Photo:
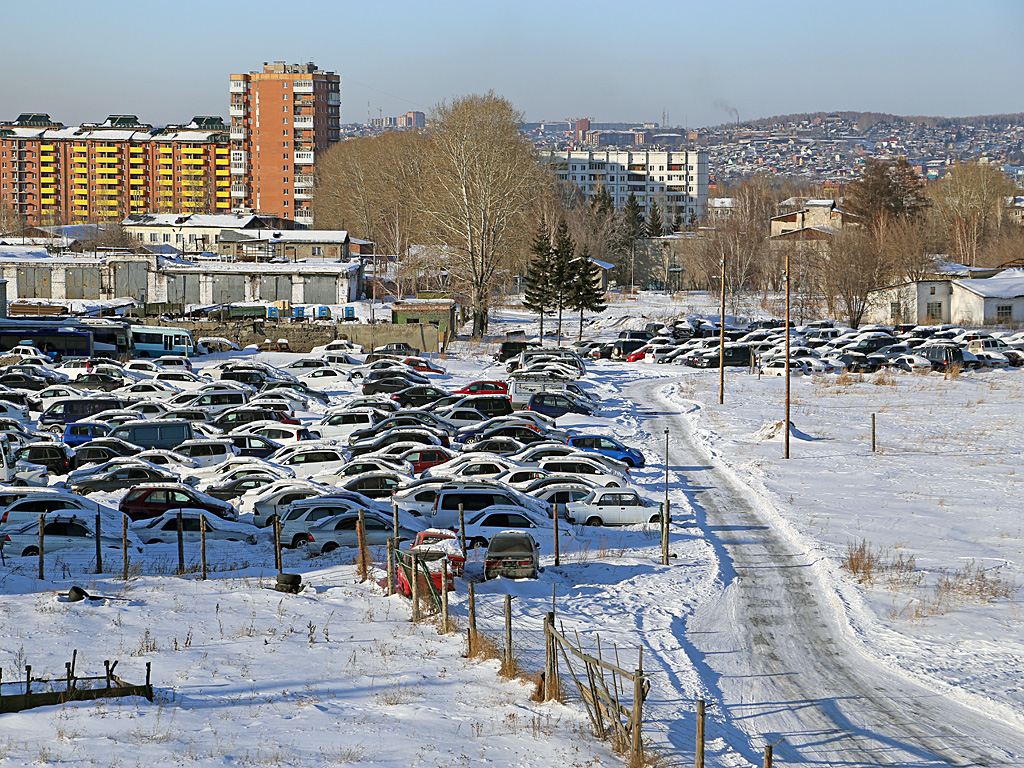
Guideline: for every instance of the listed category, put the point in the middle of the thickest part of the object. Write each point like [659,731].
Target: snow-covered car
[778,368]
[613,506]
[911,364]
[341,424]
[481,526]
[63,531]
[269,502]
[314,460]
[586,465]
[341,531]
[514,554]
[46,501]
[164,529]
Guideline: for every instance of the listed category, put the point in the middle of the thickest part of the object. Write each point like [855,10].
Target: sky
[696,63]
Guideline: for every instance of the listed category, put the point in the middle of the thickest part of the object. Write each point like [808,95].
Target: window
[1004,312]
[934,309]
[318,250]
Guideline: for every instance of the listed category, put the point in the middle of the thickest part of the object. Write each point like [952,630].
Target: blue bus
[155,340]
[52,338]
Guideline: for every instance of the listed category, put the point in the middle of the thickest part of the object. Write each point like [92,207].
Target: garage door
[276,288]
[82,283]
[33,282]
[130,281]
[228,288]
[183,289]
[321,289]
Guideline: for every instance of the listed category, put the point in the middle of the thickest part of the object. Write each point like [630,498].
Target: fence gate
[228,288]
[182,289]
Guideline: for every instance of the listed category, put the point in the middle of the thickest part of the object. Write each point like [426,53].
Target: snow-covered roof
[1008,284]
[208,220]
[287,235]
[721,202]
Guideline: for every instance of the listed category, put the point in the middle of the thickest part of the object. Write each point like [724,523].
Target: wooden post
[462,532]
[28,680]
[278,561]
[99,548]
[106,667]
[550,659]
[414,586]
[787,281]
[394,521]
[767,756]
[721,340]
[391,567]
[637,747]
[508,632]
[202,544]
[42,562]
[666,515]
[700,733]
[444,597]
[554,515]
[181,544]
[124,548]
[361,539]
[472,618]
[872,433]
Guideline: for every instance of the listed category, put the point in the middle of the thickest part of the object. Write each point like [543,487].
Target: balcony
[192,161]
[333,97]
[304,158]
[305,182]
[303,120]
[303,86]
[106,150]
[238,169]
[192,150]
[304,217]
[237,110]
[239,190]
[238,132]
[304,194]
[239,86]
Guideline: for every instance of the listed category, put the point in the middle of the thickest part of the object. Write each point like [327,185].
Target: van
[66,411]
[207,453]
[942,356]
[521,390]
[219,401]
[445,512]
[158,433]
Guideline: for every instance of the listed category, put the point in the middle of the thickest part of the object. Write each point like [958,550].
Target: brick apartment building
[280,119]
[55,174]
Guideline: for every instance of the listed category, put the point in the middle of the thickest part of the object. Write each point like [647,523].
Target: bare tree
[484,177]
[970,200]
[851,269]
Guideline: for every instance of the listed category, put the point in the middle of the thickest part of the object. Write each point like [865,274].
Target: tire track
[781,656]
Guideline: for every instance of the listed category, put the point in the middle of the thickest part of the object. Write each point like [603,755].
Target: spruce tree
[602,204]
[632,218]
[586,292]
[537,296]
[561,271]
[655,222]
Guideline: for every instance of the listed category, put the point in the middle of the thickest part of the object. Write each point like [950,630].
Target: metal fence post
[99,547]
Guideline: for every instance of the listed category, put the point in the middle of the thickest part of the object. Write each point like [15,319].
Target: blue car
[608,446]
[555,404]
[81,432]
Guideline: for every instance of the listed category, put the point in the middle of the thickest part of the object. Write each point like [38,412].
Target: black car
[24,381]
[234,488]
[240,416]
[389,385]
[121,478]
[254,445]
[418,396]
[400,421]
[397,348]
[736,354]
[408,374]
[58,458]
[100,381]
[298,386]
[510,349]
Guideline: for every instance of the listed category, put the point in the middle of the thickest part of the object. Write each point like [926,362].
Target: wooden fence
[111,686]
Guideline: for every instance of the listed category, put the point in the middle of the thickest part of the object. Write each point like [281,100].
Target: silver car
[164,529]
[512,554]
[63,531]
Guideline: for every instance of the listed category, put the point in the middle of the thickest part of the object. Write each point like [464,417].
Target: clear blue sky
[697,61]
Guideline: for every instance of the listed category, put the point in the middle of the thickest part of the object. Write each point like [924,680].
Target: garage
[321,289]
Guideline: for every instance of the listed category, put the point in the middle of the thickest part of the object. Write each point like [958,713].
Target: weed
[342,755]
[147,644]
[953,371]
[862,561]
[396,694]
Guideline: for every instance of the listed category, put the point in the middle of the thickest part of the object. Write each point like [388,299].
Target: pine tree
[677,223]
[537,296]
[655,224]
[586,292]
[561,271]
[632,218]
[602,204]
[886,191]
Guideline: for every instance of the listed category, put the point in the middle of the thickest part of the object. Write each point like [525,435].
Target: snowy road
[775,650]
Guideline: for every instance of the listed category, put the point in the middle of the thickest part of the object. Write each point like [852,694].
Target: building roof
[339,236]
[1008,284]
[206,220]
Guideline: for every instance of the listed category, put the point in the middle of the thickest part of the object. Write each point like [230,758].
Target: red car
[153,499]
[640,354]
[423,365]
[427,457]
[483,388]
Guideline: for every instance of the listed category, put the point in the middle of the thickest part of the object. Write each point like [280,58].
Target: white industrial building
[979,301]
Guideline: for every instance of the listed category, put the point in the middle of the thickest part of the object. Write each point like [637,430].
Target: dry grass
[953,371]
[883,379]
[862,561]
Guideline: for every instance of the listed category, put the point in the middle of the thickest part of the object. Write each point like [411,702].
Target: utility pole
[721,337]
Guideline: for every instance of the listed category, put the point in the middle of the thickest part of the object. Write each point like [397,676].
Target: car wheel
[30,552]
[629,463]
[655,519]
[86,490]
[270,521]
[477,542]
[612,484]
[300,540]
[56,430]
[595,521]
[329,547]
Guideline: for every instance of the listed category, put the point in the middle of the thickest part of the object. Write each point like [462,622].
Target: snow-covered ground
[248,676]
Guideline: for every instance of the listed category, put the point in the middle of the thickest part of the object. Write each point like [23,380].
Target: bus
[110,337]
[155,340]
[53,338]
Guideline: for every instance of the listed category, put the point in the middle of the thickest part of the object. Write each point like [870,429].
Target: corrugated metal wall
[228,288]
[82,283]
[183,289]
[33,282]
[275,288]
[130,281]
[321,289]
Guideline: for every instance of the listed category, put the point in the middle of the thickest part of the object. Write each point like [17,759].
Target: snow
[1008,284]
[755,612]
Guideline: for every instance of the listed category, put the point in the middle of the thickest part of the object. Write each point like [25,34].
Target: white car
[340,424]
[325,379]
[63,531]
[182,379]
[778,368]
[481,526]
[613,506]
[911,363]
[338,345]
[208,452]
[306,462]
[269,502]
[147,390]
[463,417]
[470,466]
[164,529]
[584,465]
[146,368]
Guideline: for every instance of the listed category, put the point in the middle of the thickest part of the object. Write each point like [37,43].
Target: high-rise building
[677,181]
[56,174]
[280,119]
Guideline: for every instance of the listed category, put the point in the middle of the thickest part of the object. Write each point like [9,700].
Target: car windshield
[502,545]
